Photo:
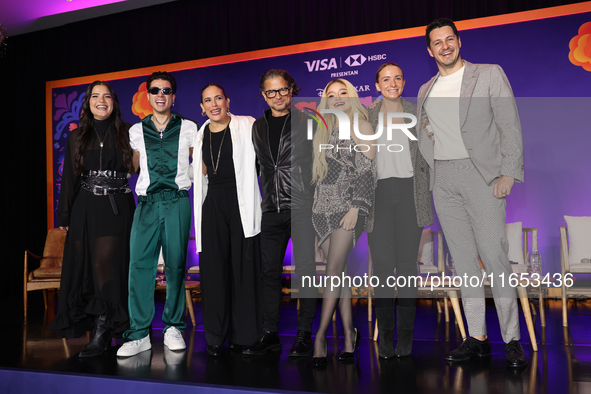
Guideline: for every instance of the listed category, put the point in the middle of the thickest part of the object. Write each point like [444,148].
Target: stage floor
[562,364]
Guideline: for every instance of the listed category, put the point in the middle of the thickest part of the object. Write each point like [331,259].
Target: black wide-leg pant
[229,267]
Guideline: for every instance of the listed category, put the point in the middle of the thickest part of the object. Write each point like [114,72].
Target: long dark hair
[86,126]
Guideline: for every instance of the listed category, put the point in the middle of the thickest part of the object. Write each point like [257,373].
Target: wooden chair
[49,273]
[521,267]
[568,267]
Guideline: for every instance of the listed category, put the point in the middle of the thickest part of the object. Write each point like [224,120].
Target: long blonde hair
[322,136]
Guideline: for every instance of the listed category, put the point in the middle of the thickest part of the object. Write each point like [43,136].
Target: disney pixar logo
[344,124]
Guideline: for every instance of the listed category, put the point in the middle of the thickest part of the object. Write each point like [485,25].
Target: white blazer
[247,184]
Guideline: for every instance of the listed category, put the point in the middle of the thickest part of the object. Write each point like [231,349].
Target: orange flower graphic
[140,105]
[580,47]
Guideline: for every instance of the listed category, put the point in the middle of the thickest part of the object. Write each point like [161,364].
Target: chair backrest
[428,254]
[519,244]
[54,248]
[534,240]
[564,263]
[579,240]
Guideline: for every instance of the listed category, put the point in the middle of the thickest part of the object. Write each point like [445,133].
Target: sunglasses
[154,90]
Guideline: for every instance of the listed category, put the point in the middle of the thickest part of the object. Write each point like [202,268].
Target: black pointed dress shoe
[269,341]
[303,345]
[349,356]
[214,350]
[320,362]
[469,348]
[516,357]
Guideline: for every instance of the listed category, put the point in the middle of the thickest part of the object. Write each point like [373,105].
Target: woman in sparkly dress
[344,172]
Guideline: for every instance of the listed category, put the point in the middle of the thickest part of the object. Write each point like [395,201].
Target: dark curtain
[172,32]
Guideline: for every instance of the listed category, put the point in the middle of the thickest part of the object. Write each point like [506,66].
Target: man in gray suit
[470,135]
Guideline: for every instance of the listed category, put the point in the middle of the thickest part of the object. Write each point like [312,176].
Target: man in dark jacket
[285,157]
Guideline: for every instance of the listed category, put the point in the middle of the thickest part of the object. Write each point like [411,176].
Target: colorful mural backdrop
[550,75]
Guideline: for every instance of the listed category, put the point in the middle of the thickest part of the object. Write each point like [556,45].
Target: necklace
[217,163]
[163,125]
[101,144]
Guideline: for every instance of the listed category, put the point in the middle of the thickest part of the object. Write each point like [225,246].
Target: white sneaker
[132,348]
[174,339]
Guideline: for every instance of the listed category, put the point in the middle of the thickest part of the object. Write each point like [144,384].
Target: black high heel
[318,362]
[348,356]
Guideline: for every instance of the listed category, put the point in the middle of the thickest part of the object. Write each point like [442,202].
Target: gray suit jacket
[422,196]
[489,123]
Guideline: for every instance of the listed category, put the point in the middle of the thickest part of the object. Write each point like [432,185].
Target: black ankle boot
[101,339]
[405,325]
[385,318]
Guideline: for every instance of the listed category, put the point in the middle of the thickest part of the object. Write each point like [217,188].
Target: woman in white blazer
[227,211]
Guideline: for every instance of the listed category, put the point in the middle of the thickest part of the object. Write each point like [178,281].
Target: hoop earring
[203,113]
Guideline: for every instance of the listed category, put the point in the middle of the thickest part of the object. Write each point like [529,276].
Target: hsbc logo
[355,60]
[334,63]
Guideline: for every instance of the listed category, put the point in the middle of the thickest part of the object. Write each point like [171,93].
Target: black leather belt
[105,183]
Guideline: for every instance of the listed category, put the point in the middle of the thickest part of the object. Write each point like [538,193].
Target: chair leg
[369,305]
[438,306]
[45,297]
[25,302]
[528,320]
[533,309]
[66,348]
[457,312]
[542,307]
[564,317]
[189,302]
[375,332]
[446,309]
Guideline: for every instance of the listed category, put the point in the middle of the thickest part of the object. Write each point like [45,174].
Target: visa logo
[321,64]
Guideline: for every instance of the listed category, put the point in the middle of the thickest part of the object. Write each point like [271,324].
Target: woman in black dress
[96,208]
